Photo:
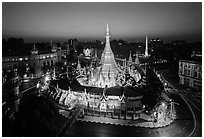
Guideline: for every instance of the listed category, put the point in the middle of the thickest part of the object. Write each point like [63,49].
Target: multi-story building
[190,73]
[36,59]
[65,49]
[178,43]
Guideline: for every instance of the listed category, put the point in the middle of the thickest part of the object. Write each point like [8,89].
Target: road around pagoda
[193,102]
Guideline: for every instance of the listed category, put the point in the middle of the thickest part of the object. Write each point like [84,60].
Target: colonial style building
[36,59]
[190,73]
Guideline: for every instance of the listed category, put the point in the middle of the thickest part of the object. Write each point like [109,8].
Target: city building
[37,59]
[178,43]
[190,73]
[65,50]
[155,43]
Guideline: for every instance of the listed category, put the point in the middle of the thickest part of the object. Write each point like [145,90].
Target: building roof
[194,60]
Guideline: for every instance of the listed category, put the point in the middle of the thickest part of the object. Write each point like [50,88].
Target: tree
[44,69]
[59,66]
[32,70]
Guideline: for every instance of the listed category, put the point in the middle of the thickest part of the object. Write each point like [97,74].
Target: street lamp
[163,104]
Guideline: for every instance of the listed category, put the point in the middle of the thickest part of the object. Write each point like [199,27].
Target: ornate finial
[34,50]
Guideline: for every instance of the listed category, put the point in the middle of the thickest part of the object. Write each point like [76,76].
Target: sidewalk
[146,122]
[121,122]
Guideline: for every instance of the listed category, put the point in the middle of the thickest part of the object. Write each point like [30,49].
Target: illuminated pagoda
[108,70]
[108,73]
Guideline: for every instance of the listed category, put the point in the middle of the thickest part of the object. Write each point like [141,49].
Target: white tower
[146,48]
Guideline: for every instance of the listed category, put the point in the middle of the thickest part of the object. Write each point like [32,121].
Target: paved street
[193,100]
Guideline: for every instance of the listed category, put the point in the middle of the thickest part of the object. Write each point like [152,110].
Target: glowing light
[38,85]
[163,104]
[47,78]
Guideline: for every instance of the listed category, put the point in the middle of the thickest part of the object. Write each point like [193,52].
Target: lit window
[44,57]
[26,58]
[47,56]
[20,59]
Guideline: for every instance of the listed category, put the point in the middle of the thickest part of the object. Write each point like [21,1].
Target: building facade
[190,73]
[35,59]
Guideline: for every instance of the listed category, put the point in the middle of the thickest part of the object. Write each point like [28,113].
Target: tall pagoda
[109,69]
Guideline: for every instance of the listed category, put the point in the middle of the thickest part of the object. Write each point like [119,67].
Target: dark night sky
[128,21]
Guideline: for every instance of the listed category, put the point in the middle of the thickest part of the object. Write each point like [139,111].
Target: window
[51,62]
[199,74]
[180,68]
[185,70]
[189,72]
[195,72]
[197,84]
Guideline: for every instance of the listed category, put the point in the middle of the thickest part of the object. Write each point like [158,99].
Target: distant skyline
[42,22]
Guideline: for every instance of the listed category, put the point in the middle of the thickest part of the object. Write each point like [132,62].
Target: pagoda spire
[146,48]
[107,31]
[130,59]
[137,62]
[107,57]
[79,66]
[96,54]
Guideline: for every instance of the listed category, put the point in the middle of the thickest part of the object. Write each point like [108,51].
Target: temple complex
[108,72]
